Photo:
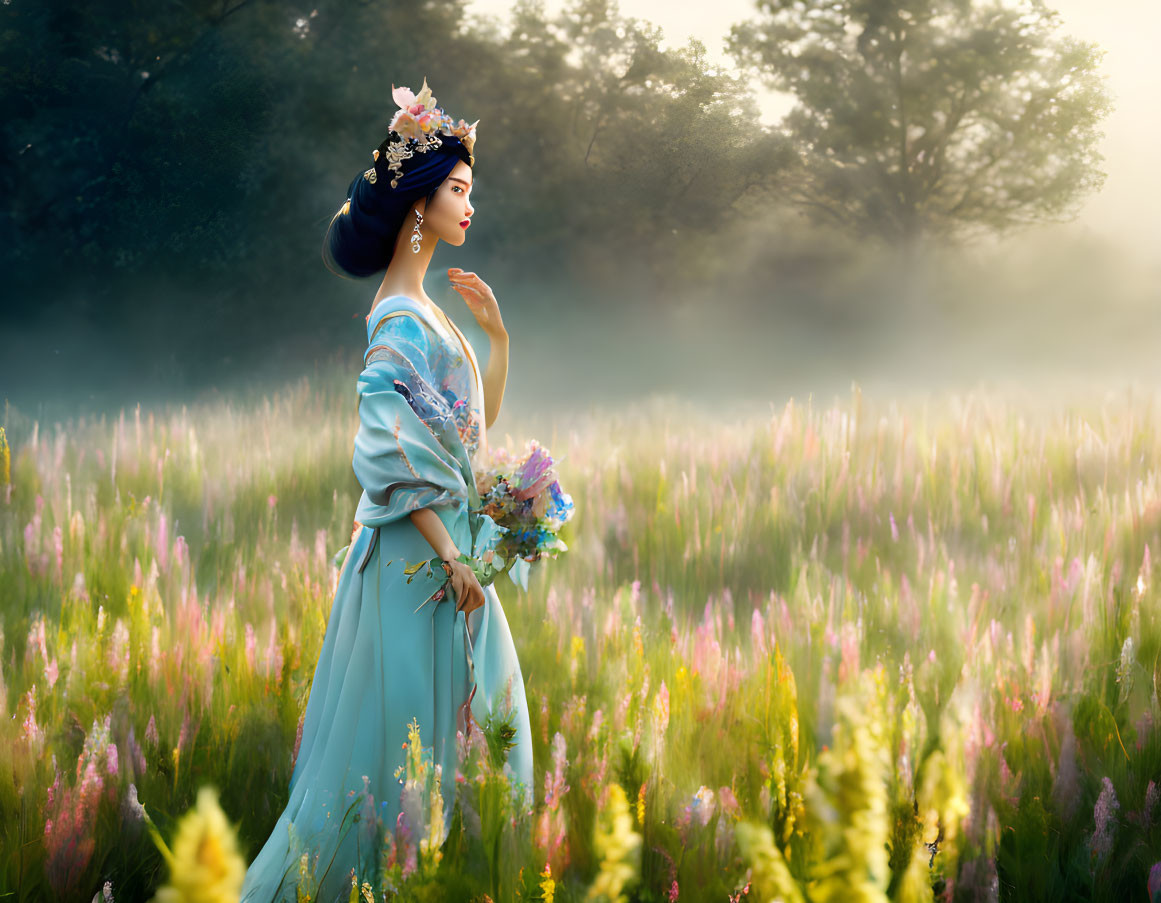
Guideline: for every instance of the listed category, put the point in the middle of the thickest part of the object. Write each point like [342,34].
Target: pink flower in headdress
[407,99]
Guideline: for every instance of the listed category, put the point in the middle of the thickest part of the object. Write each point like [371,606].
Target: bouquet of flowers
[524,501]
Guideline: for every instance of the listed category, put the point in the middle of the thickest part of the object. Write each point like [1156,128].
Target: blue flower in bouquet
[562,506]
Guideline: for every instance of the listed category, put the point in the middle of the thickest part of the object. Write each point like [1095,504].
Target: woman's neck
[406,270]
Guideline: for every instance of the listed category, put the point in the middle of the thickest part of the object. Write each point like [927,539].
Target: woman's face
[449,212]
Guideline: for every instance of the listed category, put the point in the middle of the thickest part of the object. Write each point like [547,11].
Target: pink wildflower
[32,732]
[58,551]
[758,633]
[251,645]
[161,545]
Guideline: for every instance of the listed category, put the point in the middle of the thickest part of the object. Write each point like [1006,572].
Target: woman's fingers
[468,591]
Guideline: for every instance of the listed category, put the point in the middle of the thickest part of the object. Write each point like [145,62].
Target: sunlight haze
[1126,210]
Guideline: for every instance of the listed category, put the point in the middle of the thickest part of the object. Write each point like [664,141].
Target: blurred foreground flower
[771,874]
[205,865]
[619,847]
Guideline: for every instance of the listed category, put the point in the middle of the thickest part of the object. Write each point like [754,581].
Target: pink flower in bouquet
[534,474]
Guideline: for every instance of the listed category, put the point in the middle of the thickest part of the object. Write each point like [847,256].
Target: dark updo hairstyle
[360,239]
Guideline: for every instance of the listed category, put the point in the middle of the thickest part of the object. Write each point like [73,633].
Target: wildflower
[703,804]
[32,732]
[5,460]
[1105,818]
[728,802]
[848,798]
[661,711]
[552,828]
[771,875]
[618,846]
[161,544]
[430,847]
[758,633]
[251,645]
[942,800]
[204,865]
[119,651]
[547,885]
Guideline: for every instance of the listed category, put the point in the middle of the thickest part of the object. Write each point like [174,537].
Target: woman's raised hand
[479,298]
[469,593]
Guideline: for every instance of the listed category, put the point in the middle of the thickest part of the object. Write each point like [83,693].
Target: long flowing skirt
[383,664]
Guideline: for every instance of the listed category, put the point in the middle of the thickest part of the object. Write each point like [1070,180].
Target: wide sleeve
[407,454]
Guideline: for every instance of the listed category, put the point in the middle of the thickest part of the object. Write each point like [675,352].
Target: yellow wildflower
[204,865]
[847,797]
[363,894]
[416,767]
[547,885]
[619,848]
[772,878]
[430,847]
[916,884]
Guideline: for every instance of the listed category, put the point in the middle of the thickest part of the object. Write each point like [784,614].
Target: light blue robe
[383,663]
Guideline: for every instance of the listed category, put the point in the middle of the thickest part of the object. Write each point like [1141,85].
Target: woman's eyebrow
[457,179]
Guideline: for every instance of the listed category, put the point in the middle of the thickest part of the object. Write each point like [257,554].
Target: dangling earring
[416,235]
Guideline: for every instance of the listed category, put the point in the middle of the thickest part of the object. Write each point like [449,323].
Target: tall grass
[866,651]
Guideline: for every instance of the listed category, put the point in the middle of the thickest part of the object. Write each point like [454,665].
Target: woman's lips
[466,223]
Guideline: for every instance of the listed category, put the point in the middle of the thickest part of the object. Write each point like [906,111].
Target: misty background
[728,204]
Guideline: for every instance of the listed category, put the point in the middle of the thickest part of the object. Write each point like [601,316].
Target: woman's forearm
[495,377]
[433,530]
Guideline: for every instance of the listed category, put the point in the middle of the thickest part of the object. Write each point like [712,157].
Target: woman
[396,651]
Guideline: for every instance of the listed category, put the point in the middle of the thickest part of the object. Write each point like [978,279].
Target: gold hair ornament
[418,124]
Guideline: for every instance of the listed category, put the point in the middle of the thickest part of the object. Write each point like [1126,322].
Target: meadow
[866,651]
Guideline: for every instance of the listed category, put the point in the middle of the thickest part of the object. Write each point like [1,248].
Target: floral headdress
[416,128]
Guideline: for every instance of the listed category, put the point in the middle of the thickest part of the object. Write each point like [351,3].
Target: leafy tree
[172,168]
[930,117]
[614,149]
